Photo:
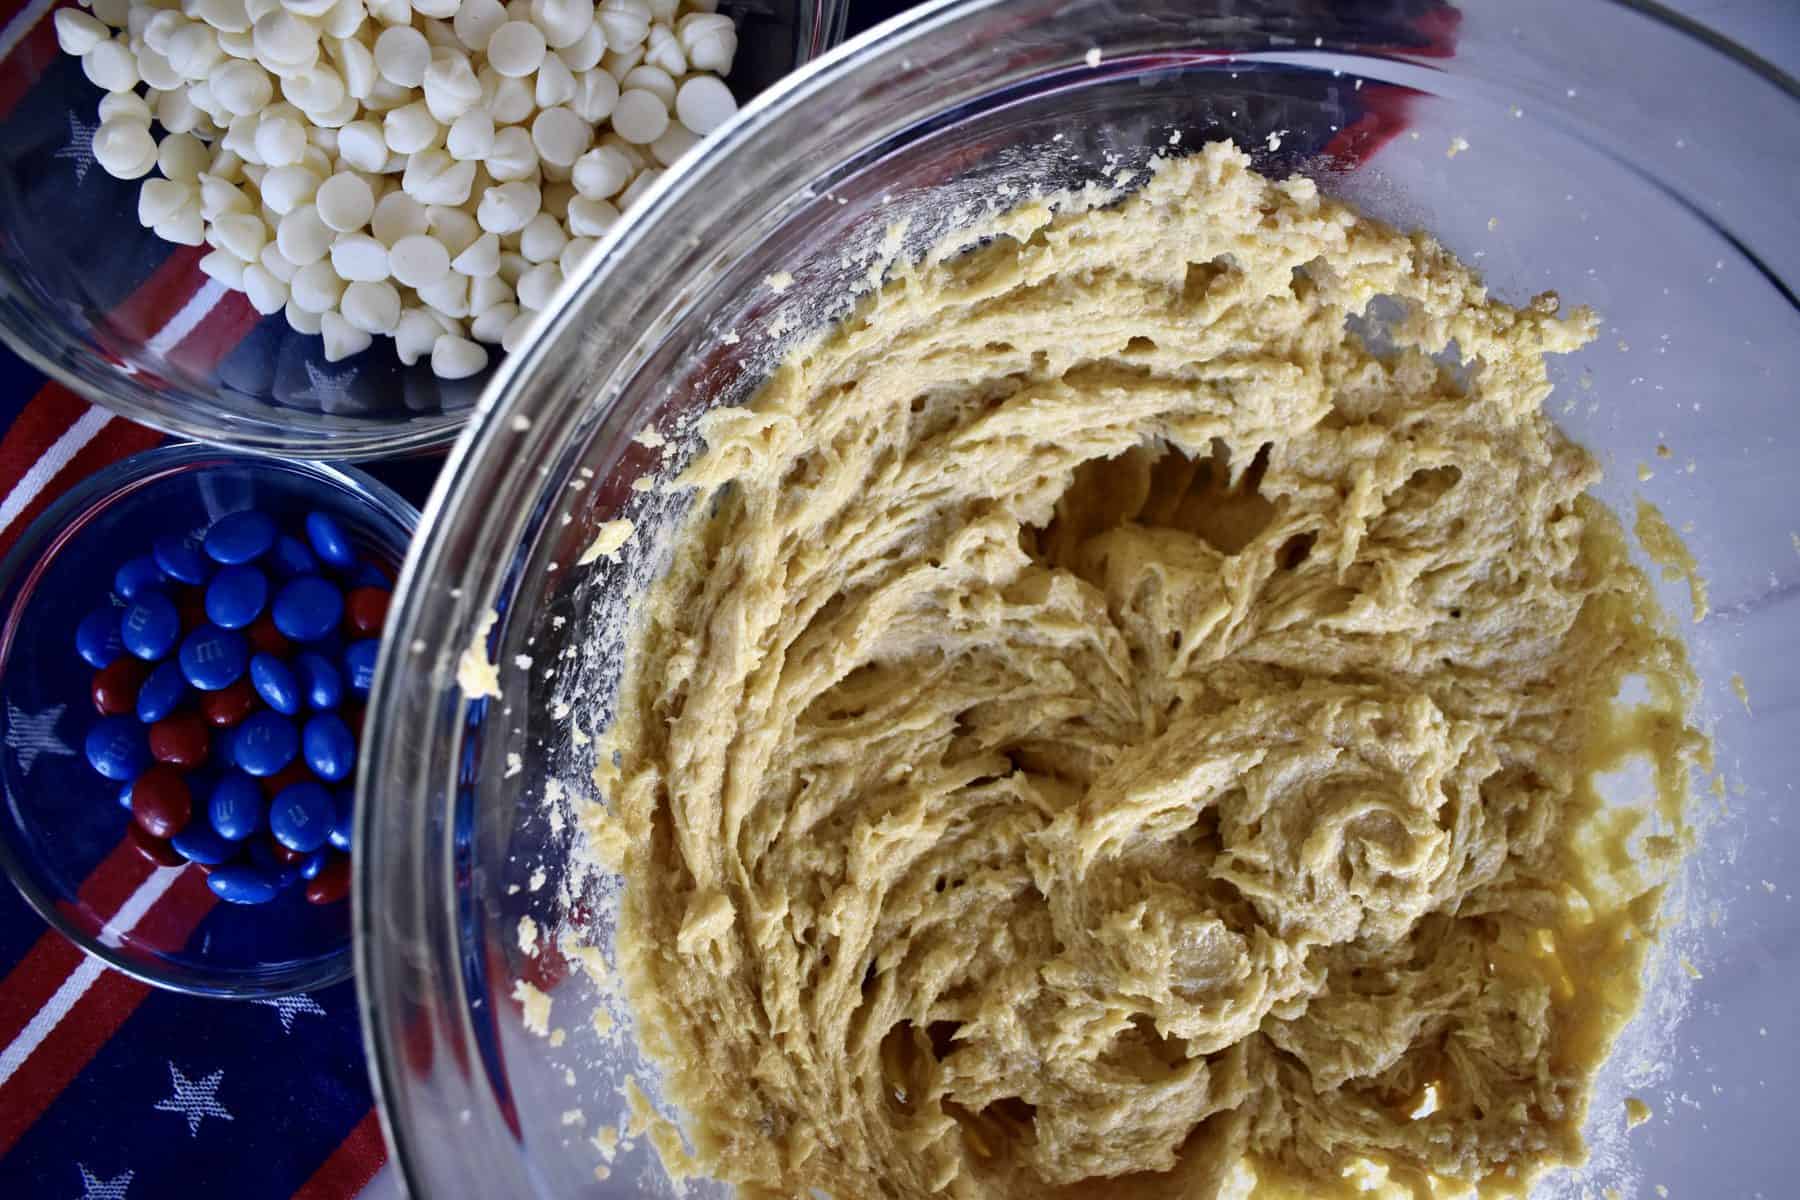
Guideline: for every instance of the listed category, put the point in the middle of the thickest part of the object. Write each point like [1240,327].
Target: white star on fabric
[79,147]
[326,389]
[194,1100]
[290,1007]
[94,1188]
[31,734]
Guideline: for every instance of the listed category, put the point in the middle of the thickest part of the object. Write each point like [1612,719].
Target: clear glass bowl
[100,303]
[63,835]
[1612,152]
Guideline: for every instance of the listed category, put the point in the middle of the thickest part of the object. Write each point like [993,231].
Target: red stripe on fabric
[35,979]
[217,334]
[350,1167]
[116,439]
[86,1027]
[30,984]
[45,417]
[177,911]
[28,60]
[160,297]
[109,885]
[92,1020]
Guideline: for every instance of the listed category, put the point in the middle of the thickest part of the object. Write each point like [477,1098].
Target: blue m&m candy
[150,625]
[292,557]
[279,871]
[240,537]
[240,883]
[367,574]
[329,747]
[359,661]
[117,748]
[236,596]
[213,659]
[236,807]
[319,681]
[329,541]
[343,815]
[97,637]
[265,743]
[275,683]
[308,608]
[162,692]
[179,560]
[313,864]
[200,842]
[300,816]
[137,575]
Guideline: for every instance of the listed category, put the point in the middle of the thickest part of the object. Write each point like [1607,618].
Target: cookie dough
[1119,724]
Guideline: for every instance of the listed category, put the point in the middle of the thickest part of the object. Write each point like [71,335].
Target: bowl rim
[85,500]
[455,510]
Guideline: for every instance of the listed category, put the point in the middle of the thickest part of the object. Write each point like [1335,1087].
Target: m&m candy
[97,637]
[117,748]
[329,541]
[275,683]
[329,747]
[137,575]
[307,608]
[161,802]
[150,626]
[240,537]
[227,671]
[236,596]
[177,559]
[115,686]
[236,807]
[265,743]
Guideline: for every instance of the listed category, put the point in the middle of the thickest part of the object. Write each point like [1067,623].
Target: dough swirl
[1107,727]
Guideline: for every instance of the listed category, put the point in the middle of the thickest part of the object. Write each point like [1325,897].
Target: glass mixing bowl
[93,299]
[1607,150]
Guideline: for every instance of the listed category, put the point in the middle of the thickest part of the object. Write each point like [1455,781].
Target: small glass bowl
[93,299]
[65,841]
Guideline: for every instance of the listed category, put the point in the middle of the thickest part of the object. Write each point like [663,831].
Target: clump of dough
[1106,727]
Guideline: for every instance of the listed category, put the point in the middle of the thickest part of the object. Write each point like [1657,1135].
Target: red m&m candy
[190,602]
[182,740]
[332,884]
[160,802]
[365,608]
[116,685]
[266,639]
[156,849]
[295,772]
[229,705]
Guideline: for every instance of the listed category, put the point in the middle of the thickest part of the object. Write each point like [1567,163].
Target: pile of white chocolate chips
[427,171]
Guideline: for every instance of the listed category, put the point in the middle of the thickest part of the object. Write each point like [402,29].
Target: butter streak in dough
[1105,729]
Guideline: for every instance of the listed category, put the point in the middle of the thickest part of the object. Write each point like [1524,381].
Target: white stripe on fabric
[83,976]
[50,1016]
[138,903]
[19,26]
[191,314]
[50,462]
